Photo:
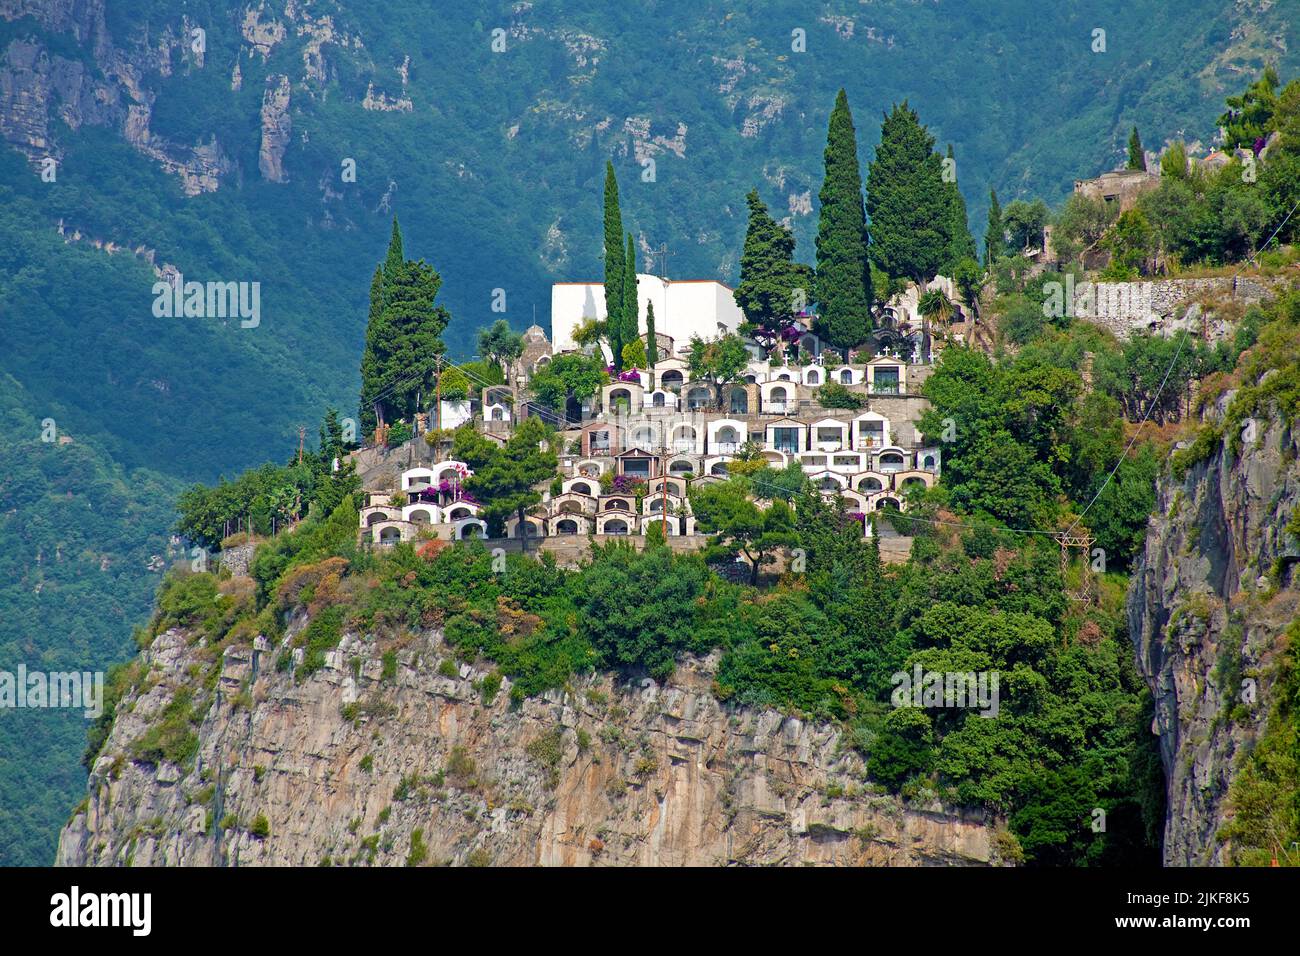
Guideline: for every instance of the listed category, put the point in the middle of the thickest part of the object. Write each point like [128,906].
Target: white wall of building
[455,414]
[683,308]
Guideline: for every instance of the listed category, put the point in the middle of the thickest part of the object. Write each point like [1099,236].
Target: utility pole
[1084,542]
[662,255]
[437,388]
[663,486]
[302,431]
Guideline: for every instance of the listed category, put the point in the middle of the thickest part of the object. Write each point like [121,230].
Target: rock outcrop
[413,758]
[1211,597]
[105,87]
[277,124]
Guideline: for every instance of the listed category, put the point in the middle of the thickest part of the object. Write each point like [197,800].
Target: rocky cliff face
[1208,605]
[411,758]
[277,124]
[107,86]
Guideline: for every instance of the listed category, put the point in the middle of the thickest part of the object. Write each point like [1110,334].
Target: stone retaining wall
[1160,306]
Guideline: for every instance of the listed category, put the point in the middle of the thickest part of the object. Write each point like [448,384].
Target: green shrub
[419,851]
[460,765]
[321,635]
[399,433]
[835,395]
[489,686]
[172,738]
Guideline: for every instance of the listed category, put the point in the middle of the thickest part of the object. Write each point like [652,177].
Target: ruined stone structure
[1159,306]
[1120,187]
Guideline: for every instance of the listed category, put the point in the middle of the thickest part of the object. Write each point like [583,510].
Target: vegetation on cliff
[154,405]
[824,643]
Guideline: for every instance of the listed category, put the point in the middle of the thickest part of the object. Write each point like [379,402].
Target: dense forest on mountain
[496,171]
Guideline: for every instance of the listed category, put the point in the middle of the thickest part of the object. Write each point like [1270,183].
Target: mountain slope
[225,161]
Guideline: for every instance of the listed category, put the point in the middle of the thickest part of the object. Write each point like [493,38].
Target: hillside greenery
[156,405]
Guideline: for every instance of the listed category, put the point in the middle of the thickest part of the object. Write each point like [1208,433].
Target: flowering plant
[627,484]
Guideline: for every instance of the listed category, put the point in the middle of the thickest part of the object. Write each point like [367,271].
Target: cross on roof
[662,255]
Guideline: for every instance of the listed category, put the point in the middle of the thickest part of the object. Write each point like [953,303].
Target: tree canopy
[912,209]
[842,284]
[403,337]
[505,478]
[772,285]
[571,375]
[615,268]
[500,344]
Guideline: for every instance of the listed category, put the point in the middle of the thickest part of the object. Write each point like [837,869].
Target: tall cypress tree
[1137,159]
[995,241]
[630,327]
[614,267]
[395,258]
[370,353]
[842,286]
[961,244]
[769,275]
[377,332]
[414,323]
[908,201]
[403,333]
[651,343]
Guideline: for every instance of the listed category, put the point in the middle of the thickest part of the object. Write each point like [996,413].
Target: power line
[1154,398]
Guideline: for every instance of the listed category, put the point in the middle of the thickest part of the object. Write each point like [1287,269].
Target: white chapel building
[684,308]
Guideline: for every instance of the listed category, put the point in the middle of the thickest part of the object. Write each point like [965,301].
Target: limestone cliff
[1208,605]
[104,85]
[399,755]
[277,124]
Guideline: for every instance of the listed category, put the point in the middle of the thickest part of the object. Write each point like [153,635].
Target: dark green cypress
[369,354]
[842,286]
[395,258]
[403,333]
[994,237]
[651,343]
[1136,157]
[614,268]
[630,327]
[961,244]
[769,276]
[907,200]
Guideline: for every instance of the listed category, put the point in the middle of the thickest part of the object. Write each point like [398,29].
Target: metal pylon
[1086,592]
